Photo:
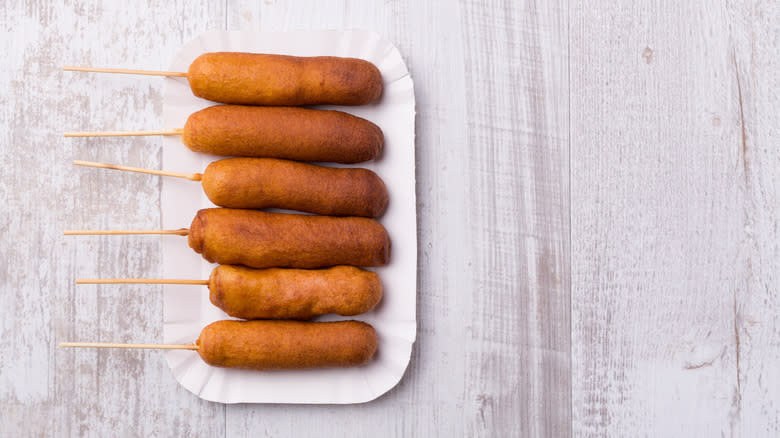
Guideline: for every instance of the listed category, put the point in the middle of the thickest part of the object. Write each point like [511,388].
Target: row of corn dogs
[276,265]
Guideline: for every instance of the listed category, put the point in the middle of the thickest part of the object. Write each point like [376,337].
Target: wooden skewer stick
[125,71]
[116,345]
[179,232]
[189,176]
[177,131]
[139,281]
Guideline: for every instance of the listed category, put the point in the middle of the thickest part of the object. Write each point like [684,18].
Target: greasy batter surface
[259,239]
[260,79]
[293,293]
[286,345]
[273,183]
[282,132]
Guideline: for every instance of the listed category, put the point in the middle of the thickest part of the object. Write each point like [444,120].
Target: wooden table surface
[598,195]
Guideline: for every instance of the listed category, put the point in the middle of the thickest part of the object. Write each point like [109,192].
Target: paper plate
[188,309]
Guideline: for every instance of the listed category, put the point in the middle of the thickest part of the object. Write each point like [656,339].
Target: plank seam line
[745,171]
[568,122]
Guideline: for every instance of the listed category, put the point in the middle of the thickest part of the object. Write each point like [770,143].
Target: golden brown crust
[279,80]
[293,293]
[286,345]
[282,132]
[273,183]
[264,240]
[194,237]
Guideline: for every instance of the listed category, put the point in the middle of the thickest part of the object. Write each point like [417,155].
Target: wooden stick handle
[124,133]
[139,281]
[189,176]
[125,71]
[179,232]
[116,345]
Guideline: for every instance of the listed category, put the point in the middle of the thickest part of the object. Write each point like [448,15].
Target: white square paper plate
[188,309]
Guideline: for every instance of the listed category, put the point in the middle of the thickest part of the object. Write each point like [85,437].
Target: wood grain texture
[755,42]
[674,218]
[667,236]
[45,391]
[492,353]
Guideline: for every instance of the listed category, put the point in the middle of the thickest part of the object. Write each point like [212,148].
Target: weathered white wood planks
[674,226]
[755,41]
[675,320]
[47,391]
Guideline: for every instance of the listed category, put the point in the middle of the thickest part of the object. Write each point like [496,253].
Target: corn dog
[263,240]
[293,293]
[272,183]
[273,345]
[260,79]
[286,345]
[293,133]
[258,239]
[298,294]
[273,132]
